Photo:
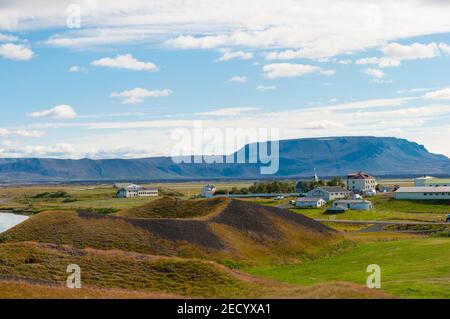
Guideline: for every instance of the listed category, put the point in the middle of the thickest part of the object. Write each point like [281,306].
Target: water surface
[9,220]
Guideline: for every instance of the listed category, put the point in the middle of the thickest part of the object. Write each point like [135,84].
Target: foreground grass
[414,268]
[115,269]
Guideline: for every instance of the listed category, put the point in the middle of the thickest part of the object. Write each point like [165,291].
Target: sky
[115,79]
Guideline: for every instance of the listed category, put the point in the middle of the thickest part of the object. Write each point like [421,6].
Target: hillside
[330,156]
[172,207]
[195,256]
[32,270]
[235,229]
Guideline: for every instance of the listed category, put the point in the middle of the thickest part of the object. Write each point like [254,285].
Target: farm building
[360,182]
[329,193]
[309,202]
[208,191]
[430,181]
[423,193]
[355,204]
[136,191]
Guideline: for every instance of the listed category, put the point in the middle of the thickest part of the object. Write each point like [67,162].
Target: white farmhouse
[431,181]
[423,193]
[136,191]
[208,191]
[360,182]
[328,193]
[355,204]
[309,202]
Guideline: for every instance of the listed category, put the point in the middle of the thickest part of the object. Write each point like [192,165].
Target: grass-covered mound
[82,230]
[234,230]
[46,264]
[172,207]
[32,270]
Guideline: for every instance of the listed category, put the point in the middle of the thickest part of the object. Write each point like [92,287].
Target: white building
[430,181]
[355,204]
[309,202]
[360,182]
[328,193]
[136,191]
[423,193]
[208,191]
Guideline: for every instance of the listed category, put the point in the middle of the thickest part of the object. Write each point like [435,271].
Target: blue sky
[134,72]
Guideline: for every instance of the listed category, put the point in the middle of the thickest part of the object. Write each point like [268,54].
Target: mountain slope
[330,156]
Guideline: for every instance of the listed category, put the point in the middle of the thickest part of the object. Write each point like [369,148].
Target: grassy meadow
[410,268]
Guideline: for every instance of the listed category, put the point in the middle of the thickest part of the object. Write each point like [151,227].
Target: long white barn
[137,191]
[423,193]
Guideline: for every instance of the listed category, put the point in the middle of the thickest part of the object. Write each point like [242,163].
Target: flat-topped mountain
[297,158]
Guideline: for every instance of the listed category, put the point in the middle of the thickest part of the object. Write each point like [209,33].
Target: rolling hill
[149,255]
[212,228]
[330,156]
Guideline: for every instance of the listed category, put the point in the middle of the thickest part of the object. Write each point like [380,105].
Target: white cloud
[279,70]
[266,88]
[126,61]
[443,94]
[4,131]
[138,95]
[238,79]
[323,125]
[351,25]
[366,104]
[7,38]
[376,73]
[17,52]
[29,133]
[58,150]
[415,90]
[381,62]
[395,53]
[233,111]
[305,53]
[345,62]
[74,68]
[227,55]
[60,111]
[445,48]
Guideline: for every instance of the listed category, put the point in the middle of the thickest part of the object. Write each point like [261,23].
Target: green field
[390,209]
[417,268]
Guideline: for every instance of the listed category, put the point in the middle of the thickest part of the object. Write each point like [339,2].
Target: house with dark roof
[329,193]
[136,191]
[361,182]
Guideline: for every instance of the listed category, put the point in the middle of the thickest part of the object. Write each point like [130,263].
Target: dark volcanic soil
[192,231]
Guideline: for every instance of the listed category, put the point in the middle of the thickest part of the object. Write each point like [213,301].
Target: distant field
[21,199]
[417,268]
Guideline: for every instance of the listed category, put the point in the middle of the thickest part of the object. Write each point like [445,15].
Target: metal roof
[333,189]
[424,189]
[308,199]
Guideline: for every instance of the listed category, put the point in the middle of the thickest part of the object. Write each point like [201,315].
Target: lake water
[9,220]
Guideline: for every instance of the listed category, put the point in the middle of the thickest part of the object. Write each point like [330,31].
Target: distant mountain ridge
[330,156]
